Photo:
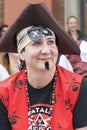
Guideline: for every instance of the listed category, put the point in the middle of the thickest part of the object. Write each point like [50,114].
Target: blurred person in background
[3,60]
[3,73]
[8,60]
[73,29]
[79,63]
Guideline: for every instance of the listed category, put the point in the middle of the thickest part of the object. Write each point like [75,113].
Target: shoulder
[69,78]
[11,86]
[83,36]
[70,84]
[68,74]
[8,82]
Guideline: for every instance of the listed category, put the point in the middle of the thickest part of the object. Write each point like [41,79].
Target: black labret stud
[47,65]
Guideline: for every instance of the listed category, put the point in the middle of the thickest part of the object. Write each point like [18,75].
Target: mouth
[44,59]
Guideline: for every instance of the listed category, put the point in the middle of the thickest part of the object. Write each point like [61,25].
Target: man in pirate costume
[42,96]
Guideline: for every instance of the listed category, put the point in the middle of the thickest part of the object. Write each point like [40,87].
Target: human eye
[51,42]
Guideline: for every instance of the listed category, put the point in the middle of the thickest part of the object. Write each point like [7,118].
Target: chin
[42,66]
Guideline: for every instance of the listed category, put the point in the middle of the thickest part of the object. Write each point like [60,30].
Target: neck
[74,34]
[40,79]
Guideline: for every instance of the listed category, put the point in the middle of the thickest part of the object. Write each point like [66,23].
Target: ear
[21,55]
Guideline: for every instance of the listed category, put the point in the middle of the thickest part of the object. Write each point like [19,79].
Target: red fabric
[78,65]
[13,95]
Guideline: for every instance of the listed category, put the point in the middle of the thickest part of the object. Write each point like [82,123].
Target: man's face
[39,52]
[72,24]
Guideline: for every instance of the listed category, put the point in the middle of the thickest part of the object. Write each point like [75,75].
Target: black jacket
[81,35]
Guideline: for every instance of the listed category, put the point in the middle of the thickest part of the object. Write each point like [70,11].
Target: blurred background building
[10,9]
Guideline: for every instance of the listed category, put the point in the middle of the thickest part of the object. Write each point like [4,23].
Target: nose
[45,48]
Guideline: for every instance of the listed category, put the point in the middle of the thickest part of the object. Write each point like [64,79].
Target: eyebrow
[51,38]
